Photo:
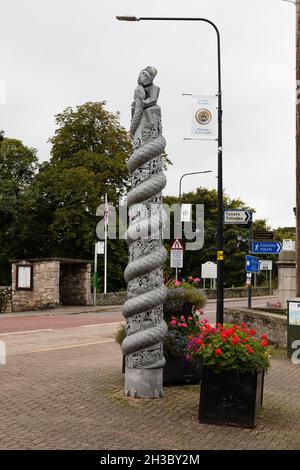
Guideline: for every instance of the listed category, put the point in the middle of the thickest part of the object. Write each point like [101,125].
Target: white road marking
[27,331]
[56,348]
[94,325]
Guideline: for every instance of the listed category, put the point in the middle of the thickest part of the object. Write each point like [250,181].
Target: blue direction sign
[266,247]
[252,264]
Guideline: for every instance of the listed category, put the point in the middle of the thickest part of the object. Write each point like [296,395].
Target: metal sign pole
[105,244]
[270,281]
[95,276]
[250,240]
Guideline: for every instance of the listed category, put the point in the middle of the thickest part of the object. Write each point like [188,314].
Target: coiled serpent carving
[143,309]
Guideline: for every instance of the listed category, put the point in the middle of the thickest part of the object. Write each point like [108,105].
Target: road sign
[176,260]
[288,245]
[252,264]
[263,235]
[265,265]
[266,247]
[248,279]
[186,212]
[209,270]
[100,248]
[177,245]
[237,217]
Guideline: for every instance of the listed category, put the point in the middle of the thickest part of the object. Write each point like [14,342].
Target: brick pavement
[72,399]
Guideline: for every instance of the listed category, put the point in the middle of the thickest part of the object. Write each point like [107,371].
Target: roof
[60,260]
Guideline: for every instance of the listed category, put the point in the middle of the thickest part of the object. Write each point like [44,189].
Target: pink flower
[190,318]
[184,325]
[173,322]
[190,278]
[197,279]
[177,283]
[182,318]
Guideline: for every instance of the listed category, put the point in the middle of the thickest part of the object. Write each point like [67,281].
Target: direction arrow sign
[252,264]
[237,217]
[266,247]
[177,245]
[263,235]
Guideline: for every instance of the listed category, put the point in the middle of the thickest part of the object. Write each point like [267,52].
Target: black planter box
[230,398]
[179,370]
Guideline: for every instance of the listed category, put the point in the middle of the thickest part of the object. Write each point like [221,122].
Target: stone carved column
[143,309]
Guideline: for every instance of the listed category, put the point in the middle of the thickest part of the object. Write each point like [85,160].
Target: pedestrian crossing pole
[105,243]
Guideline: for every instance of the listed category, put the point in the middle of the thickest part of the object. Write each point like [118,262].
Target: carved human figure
[144,273]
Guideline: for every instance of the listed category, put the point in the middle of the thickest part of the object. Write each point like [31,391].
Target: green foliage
[89,155]
[235,237]
[18,165]
[121,334]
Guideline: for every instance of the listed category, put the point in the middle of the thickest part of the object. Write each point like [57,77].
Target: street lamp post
[220,252]
[188,174]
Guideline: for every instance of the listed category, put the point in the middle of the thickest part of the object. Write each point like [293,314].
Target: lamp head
[127,18]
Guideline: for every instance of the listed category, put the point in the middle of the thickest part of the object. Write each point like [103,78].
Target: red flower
[249,349]
[235,339]
[252,332]
[264,337]
[264,343]
[218,352]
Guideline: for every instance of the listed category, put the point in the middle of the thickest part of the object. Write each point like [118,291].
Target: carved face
[145,78]
[146,133]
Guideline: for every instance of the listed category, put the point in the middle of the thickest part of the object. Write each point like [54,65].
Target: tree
[18,165]
[88,159]
[236,238]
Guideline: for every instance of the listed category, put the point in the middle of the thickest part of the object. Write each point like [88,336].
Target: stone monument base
[144,383]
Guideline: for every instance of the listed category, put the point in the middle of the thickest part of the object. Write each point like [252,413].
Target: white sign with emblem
[204,117]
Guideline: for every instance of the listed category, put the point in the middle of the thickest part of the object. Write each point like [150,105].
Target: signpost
[176,259]
[266,248]
[209,271]
[237,217]
[288,245]
[267,265]
[186,212]
[252,264]
[263,235]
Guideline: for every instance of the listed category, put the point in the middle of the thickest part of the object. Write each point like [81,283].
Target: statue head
[147,76]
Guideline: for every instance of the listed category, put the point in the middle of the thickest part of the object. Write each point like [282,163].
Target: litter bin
[293,325]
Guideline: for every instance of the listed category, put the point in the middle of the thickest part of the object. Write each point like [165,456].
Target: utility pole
[298,146]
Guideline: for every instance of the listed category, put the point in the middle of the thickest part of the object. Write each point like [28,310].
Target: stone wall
[5,299]
[45,293]
[237,292]
[275,326]
[75,284]
[286,277]
[118,298]
[112,298]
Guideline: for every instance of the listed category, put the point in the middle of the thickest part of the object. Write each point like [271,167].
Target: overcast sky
[59,53]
